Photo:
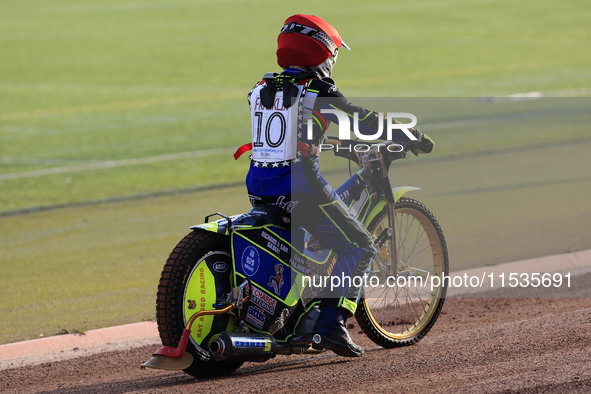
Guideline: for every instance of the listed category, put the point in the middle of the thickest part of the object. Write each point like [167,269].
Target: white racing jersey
[273,139]
[275,130]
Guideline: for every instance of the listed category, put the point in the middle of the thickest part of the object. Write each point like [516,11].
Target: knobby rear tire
[170,302]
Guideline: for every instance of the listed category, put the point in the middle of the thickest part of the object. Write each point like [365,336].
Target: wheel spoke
[403,314]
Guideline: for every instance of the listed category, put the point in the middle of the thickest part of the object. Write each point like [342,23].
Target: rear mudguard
[258,216]
[220,226]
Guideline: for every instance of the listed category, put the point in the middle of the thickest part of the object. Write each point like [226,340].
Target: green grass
[87,83]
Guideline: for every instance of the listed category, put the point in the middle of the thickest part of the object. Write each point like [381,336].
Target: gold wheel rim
[408,222]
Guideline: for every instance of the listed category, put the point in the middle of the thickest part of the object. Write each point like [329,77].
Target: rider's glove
[424,143]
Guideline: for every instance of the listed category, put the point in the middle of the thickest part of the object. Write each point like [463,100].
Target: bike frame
[365,194]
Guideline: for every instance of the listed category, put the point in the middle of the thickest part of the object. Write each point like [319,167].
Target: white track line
[114,163]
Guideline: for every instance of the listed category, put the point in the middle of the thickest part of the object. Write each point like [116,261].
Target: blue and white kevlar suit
[284,168]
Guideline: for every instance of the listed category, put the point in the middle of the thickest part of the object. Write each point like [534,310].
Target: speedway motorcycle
[241,288]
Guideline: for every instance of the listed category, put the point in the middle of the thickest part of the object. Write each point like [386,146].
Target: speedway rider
[284,162]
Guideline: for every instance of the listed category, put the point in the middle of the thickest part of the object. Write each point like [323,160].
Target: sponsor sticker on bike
[220,266]
[299,263]
[275,244]
[250,261]
[255,316]
[276,281]
[263,300]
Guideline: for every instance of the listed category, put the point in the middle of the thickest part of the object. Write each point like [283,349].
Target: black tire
[395,316]
[198,247]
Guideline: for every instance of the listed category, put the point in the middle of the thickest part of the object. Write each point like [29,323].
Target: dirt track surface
[477,345]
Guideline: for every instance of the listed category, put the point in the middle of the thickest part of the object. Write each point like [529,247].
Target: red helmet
[307,40]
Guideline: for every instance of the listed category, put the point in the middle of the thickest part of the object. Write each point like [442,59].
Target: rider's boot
[331,326]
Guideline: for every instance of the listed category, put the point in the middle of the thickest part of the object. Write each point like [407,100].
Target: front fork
[392,225]
[389,267]
[392,195]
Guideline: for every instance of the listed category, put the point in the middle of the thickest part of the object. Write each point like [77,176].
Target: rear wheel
[196,275]
[402,301]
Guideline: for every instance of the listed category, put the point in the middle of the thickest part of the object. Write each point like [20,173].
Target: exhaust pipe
[239,346]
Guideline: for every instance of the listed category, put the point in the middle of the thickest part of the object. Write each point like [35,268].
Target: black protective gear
[332,328]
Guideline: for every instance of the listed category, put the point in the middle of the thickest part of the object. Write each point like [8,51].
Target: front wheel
[196,275]
[402,300]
